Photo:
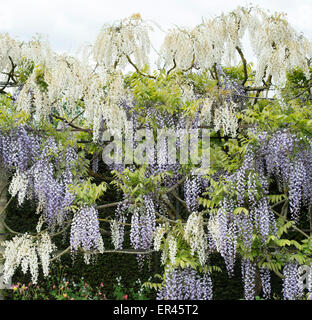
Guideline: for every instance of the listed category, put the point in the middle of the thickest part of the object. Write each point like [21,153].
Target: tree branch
[293,226]
[174,66]
[125,251]
[138,70]
[244,64]
[71,124]
[108,205]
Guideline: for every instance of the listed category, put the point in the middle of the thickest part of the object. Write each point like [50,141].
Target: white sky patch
[71,23]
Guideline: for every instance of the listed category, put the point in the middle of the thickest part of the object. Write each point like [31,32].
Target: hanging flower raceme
[50,191]
[118,225]
[185,284]
[159,234]
[143,225]
[265,277]
[26,251]
[35,171]
[286,157]
[248,275]
[291,287]
[85,231]
[227,234]
[225,118]
[18,186]
[276,45]
[195,235]
[19,148]
[192,190]
[115,44]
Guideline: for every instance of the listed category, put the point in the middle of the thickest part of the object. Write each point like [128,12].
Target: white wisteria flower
[195,235]
[18,186]
[25,251]
[172,244]
[225,118]
[159,234]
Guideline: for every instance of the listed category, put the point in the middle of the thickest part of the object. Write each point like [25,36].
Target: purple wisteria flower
[85,230]
[185,284]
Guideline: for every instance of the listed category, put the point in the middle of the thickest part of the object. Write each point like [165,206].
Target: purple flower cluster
[70,159]
[235,89]
[18,148]
[143,225]
[50,189]
[95,164]
[227,234]
[121,217]
[291,288]
[265,277]
[266,222]
[47,168]
[288,159]
[240,176]
[85,230]
[192,190]
[241,226]
[276,150]
[309,282]
[248,275]
[185,284]
[296,181]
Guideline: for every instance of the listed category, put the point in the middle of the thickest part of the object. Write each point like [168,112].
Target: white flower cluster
[25,251]
[196,237]
[115,43]
[187,93]
[68,80]
[159,234]
[59,82]
[18,186]
[164,257]
[276,45]
[40,223]
[65,76]
[177,49]
[44,248]
[26,95]
[225,119]
[172,244]
[205,114]
[213,227]
[22,52]
[105,105]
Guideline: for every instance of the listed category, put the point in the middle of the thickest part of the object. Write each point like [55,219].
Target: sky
[72,23]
